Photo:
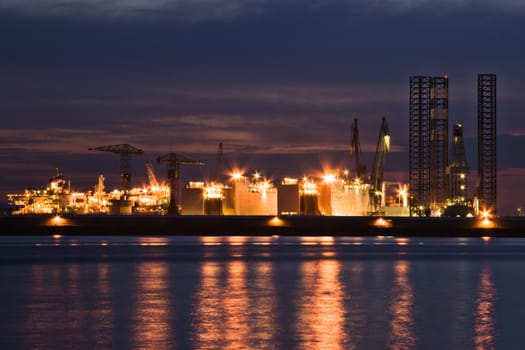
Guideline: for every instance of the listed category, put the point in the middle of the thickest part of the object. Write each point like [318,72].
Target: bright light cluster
[213,191]
[309,187]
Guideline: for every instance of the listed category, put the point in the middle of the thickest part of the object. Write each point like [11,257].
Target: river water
[247,292]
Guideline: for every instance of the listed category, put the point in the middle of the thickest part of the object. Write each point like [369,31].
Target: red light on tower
[446,76]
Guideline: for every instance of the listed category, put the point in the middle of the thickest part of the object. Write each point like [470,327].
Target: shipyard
[338,192]
[354,200]
[437,178]
[262,174]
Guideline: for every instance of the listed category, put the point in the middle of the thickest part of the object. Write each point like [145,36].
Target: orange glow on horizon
[382,223]
[276,221]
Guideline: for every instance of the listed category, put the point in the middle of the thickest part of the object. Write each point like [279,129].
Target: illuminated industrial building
[339,197]
[54,198]
[288,197]
[253,198]
[192,201]
[333,195]
[308,198]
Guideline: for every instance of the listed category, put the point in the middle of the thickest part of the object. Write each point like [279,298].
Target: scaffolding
[486,181]
[439,188]
[419,144]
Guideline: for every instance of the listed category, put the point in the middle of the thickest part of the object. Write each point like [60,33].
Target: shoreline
[151,225]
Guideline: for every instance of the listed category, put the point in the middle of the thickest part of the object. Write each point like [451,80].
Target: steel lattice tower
[419,144]
[458,167]
[486,182]
[125,151]
[439,186]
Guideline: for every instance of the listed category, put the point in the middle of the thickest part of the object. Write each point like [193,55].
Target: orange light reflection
[153,241]
[208,307]
[484,321]
[320,319]
[151,306]
[236,307]
[237,240]
[211,240]
[401,327]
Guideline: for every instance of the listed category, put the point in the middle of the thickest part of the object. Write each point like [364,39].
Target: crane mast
[218,164]
[355,152]
[151,175]
[125,151]
[376,194]
[173,162]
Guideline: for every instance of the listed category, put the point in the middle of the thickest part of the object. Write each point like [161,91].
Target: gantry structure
[428,143]
[439,184]
[419,144]
[173,161]
[125,151]
[486,181]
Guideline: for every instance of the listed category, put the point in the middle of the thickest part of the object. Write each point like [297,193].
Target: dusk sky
[278,82]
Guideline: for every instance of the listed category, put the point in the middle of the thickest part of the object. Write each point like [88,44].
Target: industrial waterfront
[303,175]
[436,185]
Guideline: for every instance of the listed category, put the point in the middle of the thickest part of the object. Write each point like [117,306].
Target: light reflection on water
[401,309]
[320,314]
[151,307]
[255,292]
[484,319]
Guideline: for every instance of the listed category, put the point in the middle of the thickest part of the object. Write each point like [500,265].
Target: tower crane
[173,161]
[355,152]
[376,194]
[125,151]
[218,164]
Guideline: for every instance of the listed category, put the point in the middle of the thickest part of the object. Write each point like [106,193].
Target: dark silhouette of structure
[125,151]
[439,182]
[486,181]
[376,194]
[174,161]
[428,143]
[419,144]
[218,164]
[458,167]
[355,152]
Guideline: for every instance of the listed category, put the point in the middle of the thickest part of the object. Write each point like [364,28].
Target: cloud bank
[199,10]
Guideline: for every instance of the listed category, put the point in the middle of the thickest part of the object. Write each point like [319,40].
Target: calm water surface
[261,293]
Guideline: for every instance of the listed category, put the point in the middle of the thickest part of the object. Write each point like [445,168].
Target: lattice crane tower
[125,151]
[173,161]
[487,175]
